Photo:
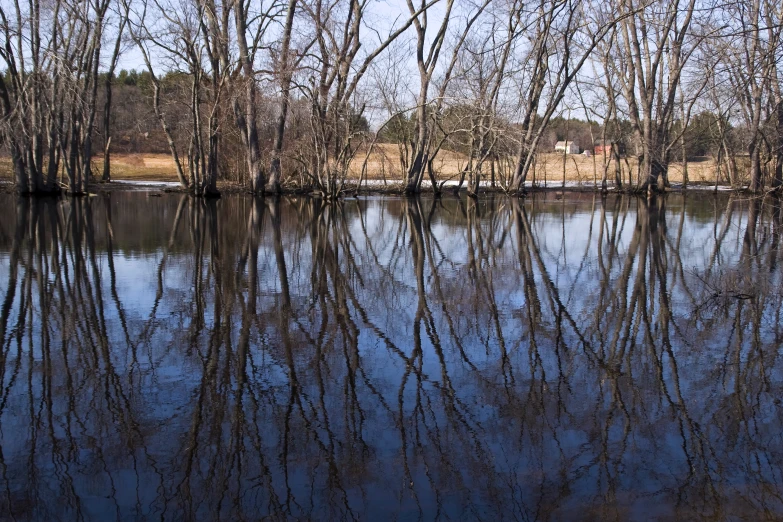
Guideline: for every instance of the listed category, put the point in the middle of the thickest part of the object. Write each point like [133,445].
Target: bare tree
[122,20]
[52,55]
[251,26]
[607,85]
[337,70]
[146,42]
[480,79]
[284,71]
[656,40]
[192,33]
[427,61]
[559,40]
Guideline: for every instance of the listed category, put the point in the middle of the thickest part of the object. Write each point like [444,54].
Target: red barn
[600,147]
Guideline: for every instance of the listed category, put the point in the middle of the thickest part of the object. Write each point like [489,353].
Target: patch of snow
[551,185]
[136,183]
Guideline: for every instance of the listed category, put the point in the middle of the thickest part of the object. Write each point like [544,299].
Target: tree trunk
[91,82]
[778,180]
[755,166]
[20,172]
[167,131]
[618,168]
[522,166]
[276,170]
[416,170]
[106,132]
[210,180]
[107,102]
[683,151]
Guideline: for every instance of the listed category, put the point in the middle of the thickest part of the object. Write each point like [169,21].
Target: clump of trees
[52,55]
[283,93]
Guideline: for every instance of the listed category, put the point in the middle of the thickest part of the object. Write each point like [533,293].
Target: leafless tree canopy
[271,94]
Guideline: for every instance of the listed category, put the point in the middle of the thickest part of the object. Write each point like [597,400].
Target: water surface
[555,358]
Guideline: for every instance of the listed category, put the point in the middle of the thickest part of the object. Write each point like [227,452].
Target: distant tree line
[277,93]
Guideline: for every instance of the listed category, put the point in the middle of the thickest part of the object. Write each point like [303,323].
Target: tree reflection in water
[580,357]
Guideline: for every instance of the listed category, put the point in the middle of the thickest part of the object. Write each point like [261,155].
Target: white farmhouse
[569,147]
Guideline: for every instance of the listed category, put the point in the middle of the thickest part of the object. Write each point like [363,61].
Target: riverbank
[552,172]
[383,166]
[376,187]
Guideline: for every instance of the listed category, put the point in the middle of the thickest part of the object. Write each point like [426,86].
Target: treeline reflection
[556,357]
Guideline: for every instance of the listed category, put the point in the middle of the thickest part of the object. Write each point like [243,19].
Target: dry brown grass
[384,163]
[140,167]
[586,169]
[146,167]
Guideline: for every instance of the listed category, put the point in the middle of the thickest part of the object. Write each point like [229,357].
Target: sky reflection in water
[548,358]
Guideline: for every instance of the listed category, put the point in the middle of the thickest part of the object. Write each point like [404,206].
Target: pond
[559,357]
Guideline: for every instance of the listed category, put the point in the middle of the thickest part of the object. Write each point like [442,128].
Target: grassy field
[138,167]
[587,168]
[384,163]
[141,167]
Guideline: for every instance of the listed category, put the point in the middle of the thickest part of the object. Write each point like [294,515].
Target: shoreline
[378,187]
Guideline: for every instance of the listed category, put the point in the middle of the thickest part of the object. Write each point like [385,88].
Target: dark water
[577,358]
